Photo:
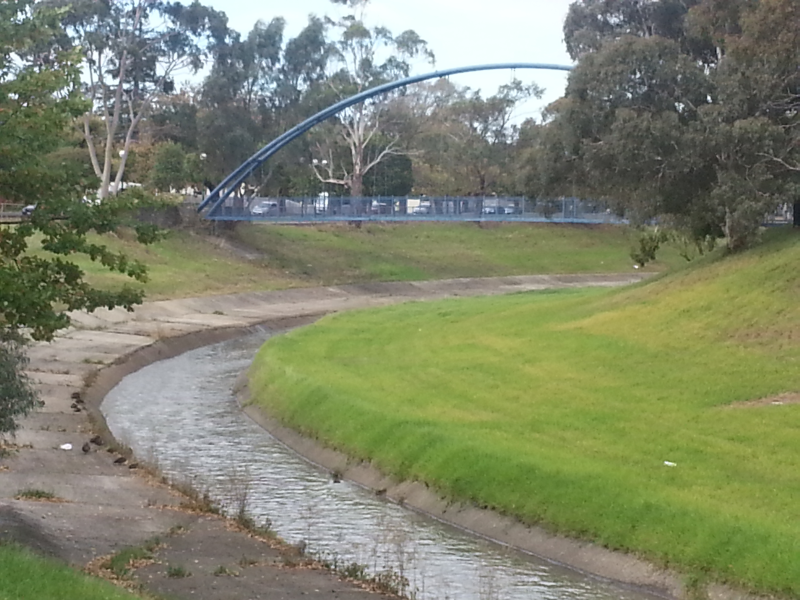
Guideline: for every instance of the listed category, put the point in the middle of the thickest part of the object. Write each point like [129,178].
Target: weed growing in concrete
[123,562]
[387,581]
[177,572]
[35,494]
[222,570]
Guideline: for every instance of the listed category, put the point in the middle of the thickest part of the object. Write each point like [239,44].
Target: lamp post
[122,154]
[323,163]
[203,156]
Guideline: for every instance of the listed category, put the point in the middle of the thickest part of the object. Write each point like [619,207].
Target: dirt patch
[779,400]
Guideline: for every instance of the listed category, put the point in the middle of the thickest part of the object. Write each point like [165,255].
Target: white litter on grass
[66,446]
[670,464]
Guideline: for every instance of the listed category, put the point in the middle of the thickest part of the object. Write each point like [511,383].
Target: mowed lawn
[564,408]
[24,576]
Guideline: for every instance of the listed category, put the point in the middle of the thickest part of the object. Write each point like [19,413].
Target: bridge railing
[413,208]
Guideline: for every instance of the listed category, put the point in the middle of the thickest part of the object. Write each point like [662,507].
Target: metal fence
[406,208]
[10,212]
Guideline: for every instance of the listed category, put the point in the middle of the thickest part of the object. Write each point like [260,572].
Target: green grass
[334,254]
[185,264]
[24,576]
[120,563]
[561,408]
[35,494]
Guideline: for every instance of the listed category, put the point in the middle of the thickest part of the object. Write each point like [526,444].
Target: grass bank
[186,264]
[334,254]
[657,419]
[24,575]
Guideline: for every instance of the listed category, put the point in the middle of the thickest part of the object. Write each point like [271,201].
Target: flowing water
[182,415]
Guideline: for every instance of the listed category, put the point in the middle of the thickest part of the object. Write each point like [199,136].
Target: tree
[133,50]
[366,58]
[169,168]
[39,98]
[257,89]
[465,143]
[705,141]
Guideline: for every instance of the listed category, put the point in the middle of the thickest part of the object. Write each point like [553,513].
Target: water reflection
[180,414]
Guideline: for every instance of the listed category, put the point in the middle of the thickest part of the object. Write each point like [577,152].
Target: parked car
[27,211]
[265,207]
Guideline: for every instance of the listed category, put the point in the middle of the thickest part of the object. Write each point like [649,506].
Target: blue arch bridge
[223,204]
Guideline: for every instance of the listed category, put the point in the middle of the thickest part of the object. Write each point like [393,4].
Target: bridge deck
[394,209]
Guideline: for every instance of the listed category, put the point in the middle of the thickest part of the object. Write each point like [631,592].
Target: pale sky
[460,33]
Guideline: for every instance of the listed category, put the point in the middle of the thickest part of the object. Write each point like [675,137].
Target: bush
[17,396]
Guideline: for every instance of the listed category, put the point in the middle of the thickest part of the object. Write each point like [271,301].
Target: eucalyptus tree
[705,139]
[258,87]
[466,143]
[133,51]
[364,57]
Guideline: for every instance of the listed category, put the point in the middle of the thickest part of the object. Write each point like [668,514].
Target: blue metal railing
[404,208]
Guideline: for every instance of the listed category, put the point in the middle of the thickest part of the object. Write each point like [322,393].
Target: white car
[265,207]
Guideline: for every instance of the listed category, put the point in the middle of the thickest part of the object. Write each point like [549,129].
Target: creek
[181,415]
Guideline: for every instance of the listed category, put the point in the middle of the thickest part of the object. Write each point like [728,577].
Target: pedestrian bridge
[325,208]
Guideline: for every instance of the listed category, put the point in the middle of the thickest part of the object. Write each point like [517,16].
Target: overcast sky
[460,33]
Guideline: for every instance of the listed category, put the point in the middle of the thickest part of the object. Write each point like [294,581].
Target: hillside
[661,419]
[259,257]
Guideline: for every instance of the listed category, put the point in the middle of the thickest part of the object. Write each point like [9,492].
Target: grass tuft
[35,494]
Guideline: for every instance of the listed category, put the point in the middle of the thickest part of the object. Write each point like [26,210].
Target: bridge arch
[220,193]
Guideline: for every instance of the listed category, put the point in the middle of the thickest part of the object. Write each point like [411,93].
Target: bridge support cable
[222,191]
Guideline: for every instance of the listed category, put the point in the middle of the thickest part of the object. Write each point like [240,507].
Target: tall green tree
[707,141]
[258,87]
[40,96]
[169,168]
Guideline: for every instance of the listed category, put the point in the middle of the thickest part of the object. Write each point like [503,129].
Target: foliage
[693,117]
[647,245]
[133,51]
[358,139]
[17,396]
[560,408]
[258,87]
[469,140]
[169,168]
[39,97]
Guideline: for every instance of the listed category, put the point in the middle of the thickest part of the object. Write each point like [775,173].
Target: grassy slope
[184,264]
[338,254]
[561,408]
[24,576]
